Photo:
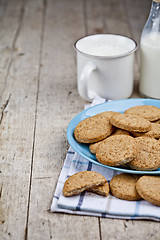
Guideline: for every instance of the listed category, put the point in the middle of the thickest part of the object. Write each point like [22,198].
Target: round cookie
[149,112]
[123,186]
[116,150]
[94,129]
[148,188]
[81,181]
[148,154]
[130,122]
[154,132]
[93,147]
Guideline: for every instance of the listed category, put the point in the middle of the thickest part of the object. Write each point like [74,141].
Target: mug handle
[84,77]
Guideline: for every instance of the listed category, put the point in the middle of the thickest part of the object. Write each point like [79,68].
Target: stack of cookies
[130,139]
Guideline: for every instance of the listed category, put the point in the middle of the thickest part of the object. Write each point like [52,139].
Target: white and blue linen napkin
[91,204]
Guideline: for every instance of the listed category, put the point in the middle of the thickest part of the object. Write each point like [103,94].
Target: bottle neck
[155,9]
[152,25]
[153,22]
[157,1]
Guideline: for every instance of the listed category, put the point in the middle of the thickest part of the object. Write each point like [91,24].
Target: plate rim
[70,130]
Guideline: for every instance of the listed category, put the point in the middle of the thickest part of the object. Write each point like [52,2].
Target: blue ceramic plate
[117,106]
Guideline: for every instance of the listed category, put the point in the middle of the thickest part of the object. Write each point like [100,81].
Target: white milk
[150,65]
[105,50]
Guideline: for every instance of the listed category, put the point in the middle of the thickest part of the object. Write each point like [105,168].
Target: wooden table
[38,98]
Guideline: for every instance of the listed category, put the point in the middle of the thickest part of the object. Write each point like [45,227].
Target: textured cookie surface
[149,112]
[123,186]
[130,122]
[101,190]
[154,132]
[119,131]
[94,129]
[80,181]
[93,146]
[148,188]
[148,154]
[116,150]
[157,121]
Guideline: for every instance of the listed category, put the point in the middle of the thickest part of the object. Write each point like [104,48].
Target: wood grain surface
[38,98]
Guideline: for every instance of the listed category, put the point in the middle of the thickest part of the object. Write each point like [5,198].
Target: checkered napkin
[92,204]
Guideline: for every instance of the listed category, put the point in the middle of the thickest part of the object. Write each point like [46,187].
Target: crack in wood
[99,224]
[2,217]
[43,178]
[3,108]
[1,190]
[50,233]
[34,133]
[125,225]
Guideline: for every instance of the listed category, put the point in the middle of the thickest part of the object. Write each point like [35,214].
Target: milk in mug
[105,66]
[150,65]
[107,50]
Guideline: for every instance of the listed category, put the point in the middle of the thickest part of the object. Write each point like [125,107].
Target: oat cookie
[81,181]
[101,190]
[119,131]
[116,150]
[149,112]
[148,154]
[107,114]
[154,132]
[148,188]
[130,122]
[123,186]
[94,129]
[93,146]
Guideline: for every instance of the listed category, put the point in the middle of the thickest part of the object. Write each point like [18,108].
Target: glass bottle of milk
[150,54]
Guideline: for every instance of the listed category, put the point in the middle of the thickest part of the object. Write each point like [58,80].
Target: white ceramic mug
[105,66]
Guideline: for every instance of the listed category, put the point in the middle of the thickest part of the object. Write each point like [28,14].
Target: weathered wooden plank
[17,123]
[10,24]
[109,17]
[94,17]
[137,229]
[58,102]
